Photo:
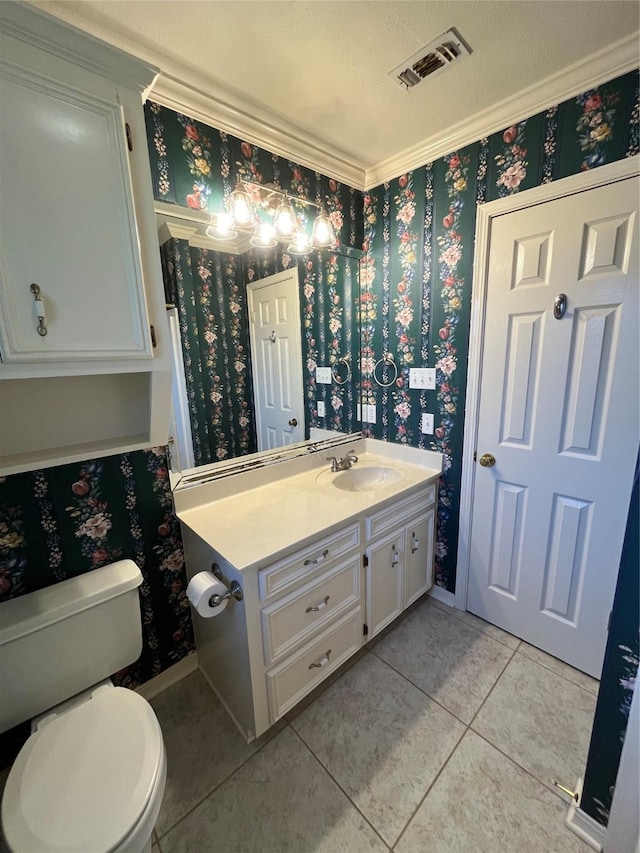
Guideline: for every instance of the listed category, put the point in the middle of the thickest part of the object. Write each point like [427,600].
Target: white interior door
[276,354]
[559,412]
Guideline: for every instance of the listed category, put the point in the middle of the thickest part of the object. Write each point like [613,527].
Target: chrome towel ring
[336,371]
[387,359]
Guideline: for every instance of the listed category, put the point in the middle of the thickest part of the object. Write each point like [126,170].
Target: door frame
[291,273]
[486,213]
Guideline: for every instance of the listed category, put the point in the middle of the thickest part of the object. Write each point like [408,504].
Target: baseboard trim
[443,595]
[584,826]
[150,689]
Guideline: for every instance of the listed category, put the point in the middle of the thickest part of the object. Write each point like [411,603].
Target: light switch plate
[368,414]
[426,424]
[323,375]
[321,409]
[422,377]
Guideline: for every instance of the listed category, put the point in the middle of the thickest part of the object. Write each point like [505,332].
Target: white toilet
[90,778]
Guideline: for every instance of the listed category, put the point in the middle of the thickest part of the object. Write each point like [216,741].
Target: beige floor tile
[381,739]
[451,661]
[203,746]
[483,803]
[481,625]
[560,668]
[280,801]
[540,720]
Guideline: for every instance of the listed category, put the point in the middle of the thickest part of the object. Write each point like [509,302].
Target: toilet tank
[65,638]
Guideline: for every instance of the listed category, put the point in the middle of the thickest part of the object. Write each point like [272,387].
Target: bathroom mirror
[266,344]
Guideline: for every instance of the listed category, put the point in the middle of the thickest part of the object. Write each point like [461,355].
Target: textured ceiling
[321,67]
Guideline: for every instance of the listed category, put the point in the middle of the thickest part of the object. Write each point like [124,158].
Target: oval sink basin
[367,479]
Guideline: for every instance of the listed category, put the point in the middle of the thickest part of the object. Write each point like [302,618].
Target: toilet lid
[82,781]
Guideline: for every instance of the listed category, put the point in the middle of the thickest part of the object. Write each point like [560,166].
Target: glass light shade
[241,209]
[221,227]
[284,218]
[322,230]
[301,244]
[265,238]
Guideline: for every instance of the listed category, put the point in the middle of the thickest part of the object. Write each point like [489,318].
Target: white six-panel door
[559,412]
[276,356]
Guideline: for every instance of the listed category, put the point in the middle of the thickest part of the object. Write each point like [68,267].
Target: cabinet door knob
[414,543]
[395,556]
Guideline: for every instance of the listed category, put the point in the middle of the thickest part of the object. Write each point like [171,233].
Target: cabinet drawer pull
[322,662]
[38,305]
[414,543]
[317,560]
[320,606]
[395,556]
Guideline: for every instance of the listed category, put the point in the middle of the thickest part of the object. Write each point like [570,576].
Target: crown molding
[257,127]
[606,64]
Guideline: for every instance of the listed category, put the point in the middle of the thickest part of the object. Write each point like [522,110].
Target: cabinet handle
[395,556]
[39,309]
[317,560]
[320,606]
[414,543]
[322,662]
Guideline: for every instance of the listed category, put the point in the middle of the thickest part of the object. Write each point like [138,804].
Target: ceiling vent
[431,59]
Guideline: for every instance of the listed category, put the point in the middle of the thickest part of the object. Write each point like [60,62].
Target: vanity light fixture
[271,215]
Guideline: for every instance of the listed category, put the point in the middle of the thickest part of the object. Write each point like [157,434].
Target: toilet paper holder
[234,589]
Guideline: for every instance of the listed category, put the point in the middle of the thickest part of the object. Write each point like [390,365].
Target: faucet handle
[334,463]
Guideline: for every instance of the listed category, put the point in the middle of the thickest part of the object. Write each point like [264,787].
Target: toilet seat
[84,779]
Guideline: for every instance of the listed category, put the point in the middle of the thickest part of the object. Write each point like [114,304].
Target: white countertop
[259,524]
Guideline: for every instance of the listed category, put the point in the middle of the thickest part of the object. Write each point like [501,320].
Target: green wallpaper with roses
[416,274]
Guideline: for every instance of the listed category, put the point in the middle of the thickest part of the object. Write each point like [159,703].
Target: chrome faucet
[344,463]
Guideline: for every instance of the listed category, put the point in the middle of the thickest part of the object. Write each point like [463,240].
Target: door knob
[293,422]
[487,460]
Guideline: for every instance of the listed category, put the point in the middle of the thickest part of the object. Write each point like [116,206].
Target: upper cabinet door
[66,223]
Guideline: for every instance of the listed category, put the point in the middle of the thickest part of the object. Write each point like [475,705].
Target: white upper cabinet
[85,363]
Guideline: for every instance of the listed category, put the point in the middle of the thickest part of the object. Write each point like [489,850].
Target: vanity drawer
[292,619]
[295,677]
[279,576]
[398,513]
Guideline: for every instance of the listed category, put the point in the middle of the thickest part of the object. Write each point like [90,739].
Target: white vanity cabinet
[399,556]
[359,561]
[84,356]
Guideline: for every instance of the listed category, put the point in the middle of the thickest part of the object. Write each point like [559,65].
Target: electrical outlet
[426,424]
[323,375]
[321,408]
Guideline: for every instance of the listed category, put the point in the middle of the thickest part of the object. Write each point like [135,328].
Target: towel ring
[335,371]
[387,358]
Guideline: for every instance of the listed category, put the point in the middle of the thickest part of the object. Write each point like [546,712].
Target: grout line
[455,611]
[510,758]
[424,692]
[559,674]
[482,704]
[335,781]
[216,786]
[427,792]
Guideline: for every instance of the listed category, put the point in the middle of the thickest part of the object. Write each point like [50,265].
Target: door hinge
[365,630]
[475,455]
[365,560]
[153,337]
[127,128]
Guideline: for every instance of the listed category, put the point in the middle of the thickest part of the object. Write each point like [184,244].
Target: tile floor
[443,735]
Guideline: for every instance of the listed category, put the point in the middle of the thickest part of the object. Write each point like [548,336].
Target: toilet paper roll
[199,591]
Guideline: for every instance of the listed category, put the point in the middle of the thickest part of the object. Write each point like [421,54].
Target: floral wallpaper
[619,676]
[197,166]
[416,274]
[65,521]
